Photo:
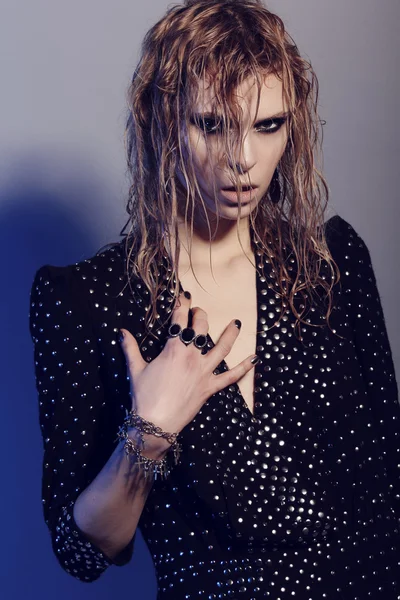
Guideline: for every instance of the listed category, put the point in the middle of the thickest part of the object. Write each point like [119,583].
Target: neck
[224,242]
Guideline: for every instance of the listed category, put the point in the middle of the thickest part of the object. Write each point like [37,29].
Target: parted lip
[244,187]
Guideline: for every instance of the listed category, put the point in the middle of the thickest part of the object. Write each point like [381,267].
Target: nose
[244,160]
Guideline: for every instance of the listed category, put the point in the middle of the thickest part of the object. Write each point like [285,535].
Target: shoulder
[76,294]
[347,246]
[352,256]
[340,232]
[99,272]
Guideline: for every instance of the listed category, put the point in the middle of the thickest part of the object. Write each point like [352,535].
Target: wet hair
[222,43]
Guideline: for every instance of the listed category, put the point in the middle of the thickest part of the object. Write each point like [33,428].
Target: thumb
[133,356]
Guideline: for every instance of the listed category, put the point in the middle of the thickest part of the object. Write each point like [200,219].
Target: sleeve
[73,415]
[374,353]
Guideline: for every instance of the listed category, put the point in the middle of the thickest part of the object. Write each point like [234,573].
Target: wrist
[154,447]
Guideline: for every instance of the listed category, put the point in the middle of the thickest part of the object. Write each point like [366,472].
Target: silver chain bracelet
[151,465]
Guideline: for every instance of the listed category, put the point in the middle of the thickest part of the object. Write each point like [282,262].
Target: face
[263,143]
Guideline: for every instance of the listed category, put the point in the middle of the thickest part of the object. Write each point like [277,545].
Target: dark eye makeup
[212,125]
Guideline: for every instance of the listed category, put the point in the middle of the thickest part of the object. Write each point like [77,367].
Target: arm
[373,351]
[86,477]
[109,509]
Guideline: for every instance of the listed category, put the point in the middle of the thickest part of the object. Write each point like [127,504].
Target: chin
[231,212]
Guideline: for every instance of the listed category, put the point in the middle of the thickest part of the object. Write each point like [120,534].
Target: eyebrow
[280,115]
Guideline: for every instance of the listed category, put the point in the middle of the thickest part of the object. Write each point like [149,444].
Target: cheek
[272,153]
[200,153]
[194,142]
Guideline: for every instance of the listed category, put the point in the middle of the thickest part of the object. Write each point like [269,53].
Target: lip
[233,196]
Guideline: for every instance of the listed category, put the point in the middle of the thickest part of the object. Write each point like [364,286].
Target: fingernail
[187,295]
[238,323]
[120,336]
[255,360]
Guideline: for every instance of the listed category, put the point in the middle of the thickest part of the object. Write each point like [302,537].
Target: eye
[272,125]
[211,126]
[207,124]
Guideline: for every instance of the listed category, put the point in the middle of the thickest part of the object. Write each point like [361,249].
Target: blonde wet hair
[202,41]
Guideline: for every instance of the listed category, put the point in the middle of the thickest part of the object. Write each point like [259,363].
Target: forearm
[109,509]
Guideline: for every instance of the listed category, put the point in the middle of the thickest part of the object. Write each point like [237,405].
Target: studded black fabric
[300,500]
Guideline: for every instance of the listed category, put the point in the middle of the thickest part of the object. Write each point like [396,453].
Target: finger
[181,309]
[180,315]
[224,344]
[134,360]
[221,381]
[199,321]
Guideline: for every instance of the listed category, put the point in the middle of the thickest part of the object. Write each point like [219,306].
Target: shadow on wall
[54,210]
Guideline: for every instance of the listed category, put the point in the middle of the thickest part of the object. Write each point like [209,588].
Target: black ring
[174,330]
[200,340]
[187,335]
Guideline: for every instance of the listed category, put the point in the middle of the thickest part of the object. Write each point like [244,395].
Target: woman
[270,479]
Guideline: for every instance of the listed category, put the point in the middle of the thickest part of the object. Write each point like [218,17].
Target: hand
[171,389]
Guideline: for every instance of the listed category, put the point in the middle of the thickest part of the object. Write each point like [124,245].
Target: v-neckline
[259,366]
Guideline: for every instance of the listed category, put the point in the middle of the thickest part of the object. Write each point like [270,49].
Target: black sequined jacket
[300,499]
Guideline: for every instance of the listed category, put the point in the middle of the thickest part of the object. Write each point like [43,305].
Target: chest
[231,294]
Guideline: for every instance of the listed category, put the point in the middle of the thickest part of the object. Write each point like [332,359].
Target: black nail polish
[120,336]
[238,323]
[187,295]
[256,359]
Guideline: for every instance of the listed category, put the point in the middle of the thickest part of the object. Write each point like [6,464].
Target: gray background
[65,68]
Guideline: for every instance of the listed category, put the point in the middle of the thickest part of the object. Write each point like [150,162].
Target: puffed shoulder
[338,230]
[340,233]
[348,249]
[54,288]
